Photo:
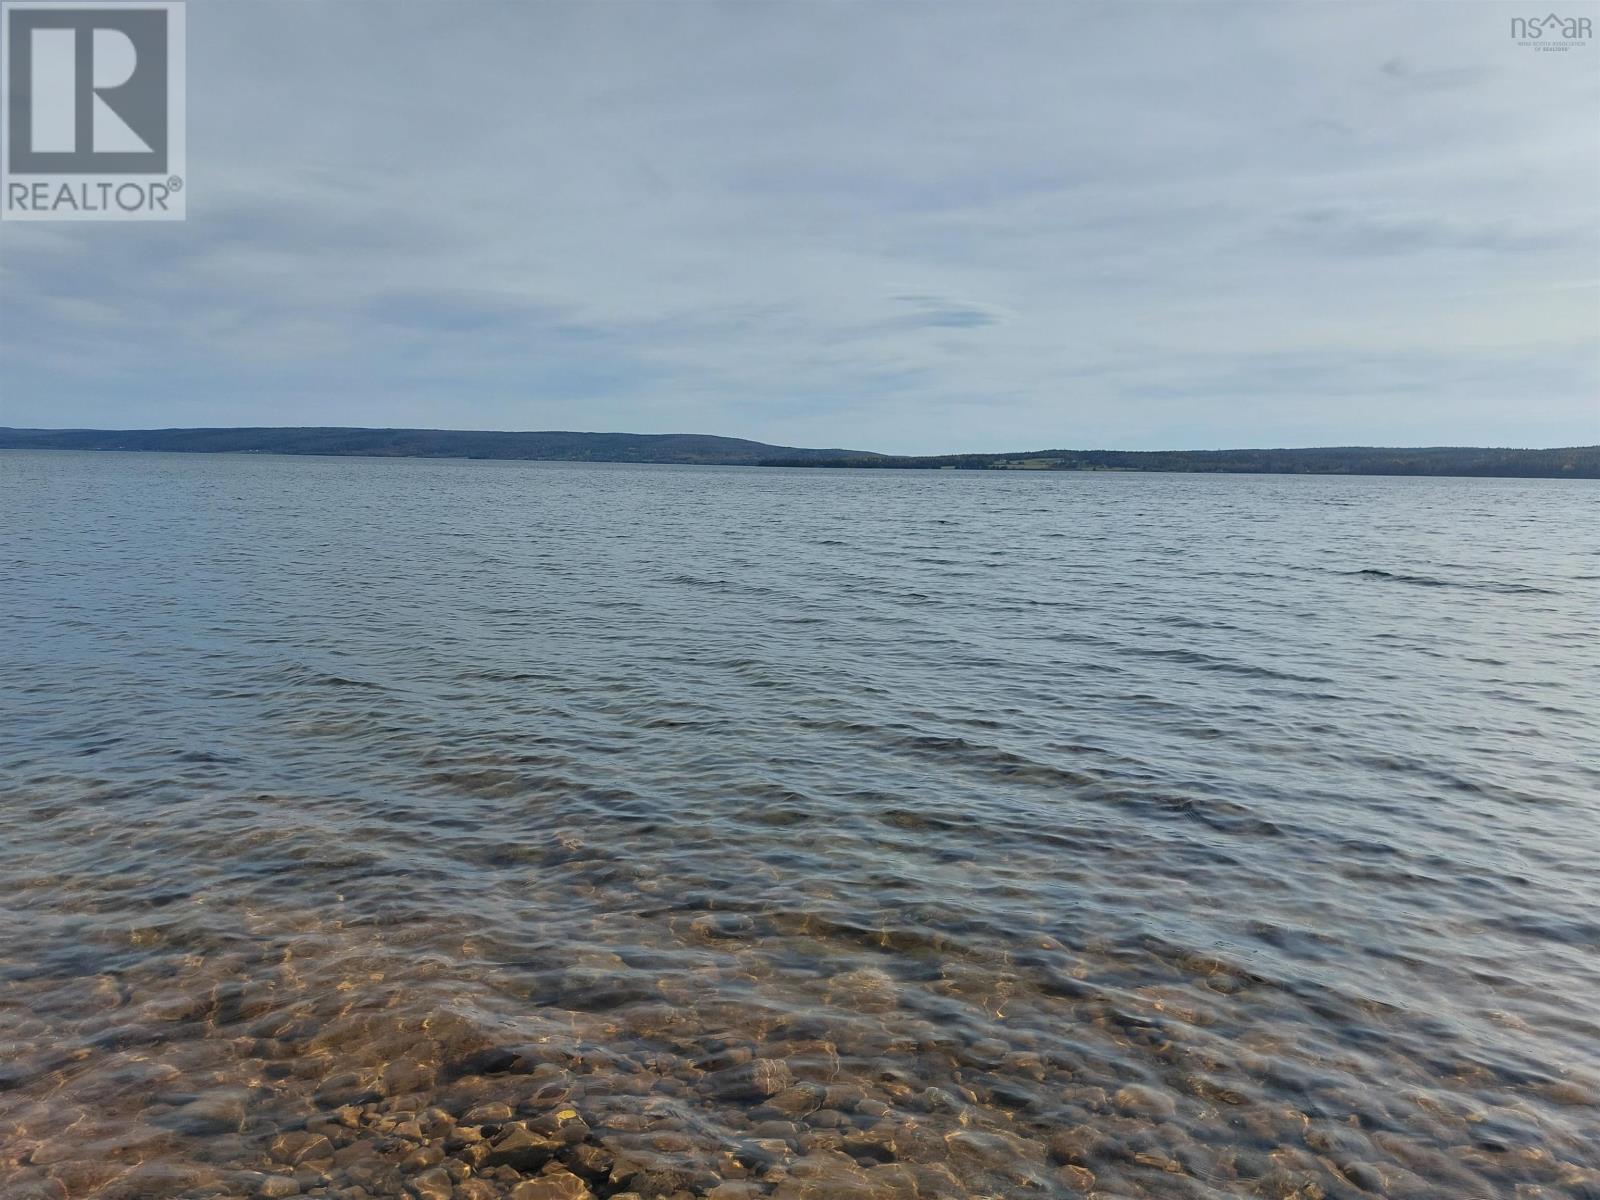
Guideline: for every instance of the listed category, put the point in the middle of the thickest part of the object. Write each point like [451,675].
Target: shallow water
[384,825]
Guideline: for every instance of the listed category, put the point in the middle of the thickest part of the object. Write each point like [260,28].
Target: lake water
[540,830]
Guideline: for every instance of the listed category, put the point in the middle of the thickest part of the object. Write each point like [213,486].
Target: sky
[911,228]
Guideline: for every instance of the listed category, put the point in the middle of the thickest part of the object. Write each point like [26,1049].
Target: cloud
[443,311]
[1401,74]
[1353,231]
[999,226]
[938,312]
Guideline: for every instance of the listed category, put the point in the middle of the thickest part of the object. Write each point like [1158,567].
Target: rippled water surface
[451,829]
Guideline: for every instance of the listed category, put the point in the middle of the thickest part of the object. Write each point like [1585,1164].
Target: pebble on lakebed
[552,1123]
[291,1087]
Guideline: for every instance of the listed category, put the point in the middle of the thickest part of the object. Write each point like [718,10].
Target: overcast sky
[913,228]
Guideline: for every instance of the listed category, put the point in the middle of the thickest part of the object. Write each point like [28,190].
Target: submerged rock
[556,1185]
[753,1081]
[223,1113]
[433,1184]
[521,1149]
[1145,1100]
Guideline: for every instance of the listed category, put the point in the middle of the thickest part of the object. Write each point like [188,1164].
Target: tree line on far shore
[1573,462]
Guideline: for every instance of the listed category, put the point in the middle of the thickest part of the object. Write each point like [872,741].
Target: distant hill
[1570,462]
[427,443]
[1573,462]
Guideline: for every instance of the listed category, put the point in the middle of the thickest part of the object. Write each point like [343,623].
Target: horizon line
[1039,449]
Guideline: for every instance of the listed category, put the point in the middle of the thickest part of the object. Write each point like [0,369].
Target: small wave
[1416,580]
[1211,662]
[720,585]
[305,676]
[1509,589]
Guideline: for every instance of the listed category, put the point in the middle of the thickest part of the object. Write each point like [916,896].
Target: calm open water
[468,829]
